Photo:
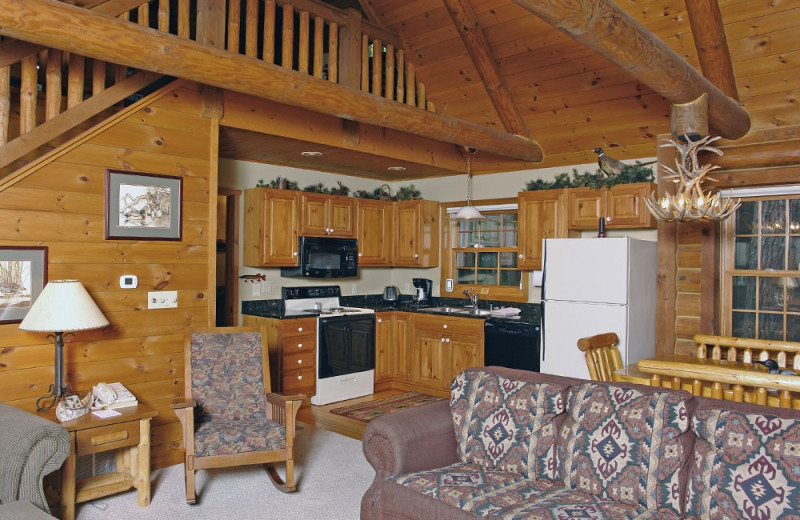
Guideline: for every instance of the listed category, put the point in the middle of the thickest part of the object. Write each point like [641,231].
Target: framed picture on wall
[23,275]
[143,206]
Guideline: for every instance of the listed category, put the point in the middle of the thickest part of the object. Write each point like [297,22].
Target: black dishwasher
[512,344]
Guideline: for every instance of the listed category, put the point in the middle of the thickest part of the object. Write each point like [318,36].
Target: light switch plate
[162,299]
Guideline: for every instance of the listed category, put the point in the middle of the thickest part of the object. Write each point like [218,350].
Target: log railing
[747,350]
[303,36]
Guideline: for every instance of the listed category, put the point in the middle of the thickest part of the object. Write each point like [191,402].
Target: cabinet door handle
[299,378]
[520,255]
[380,320]
[416,256]
[299,329]
[299,361]
[294,253]
[299,345]
[447,340]
[359,254]
[444,326]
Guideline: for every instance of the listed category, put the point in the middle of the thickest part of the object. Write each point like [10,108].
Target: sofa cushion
[746,465]
[506,424]
[623,444]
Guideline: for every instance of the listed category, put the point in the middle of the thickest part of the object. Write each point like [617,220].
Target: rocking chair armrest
[182,403]
[280,399]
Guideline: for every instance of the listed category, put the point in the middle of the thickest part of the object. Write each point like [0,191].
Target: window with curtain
[761,274]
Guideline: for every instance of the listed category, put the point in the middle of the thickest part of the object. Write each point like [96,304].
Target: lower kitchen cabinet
[292,353]
[392,356]
[441,347]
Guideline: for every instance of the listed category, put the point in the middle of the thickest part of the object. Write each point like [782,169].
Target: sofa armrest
[31,447]
[411,440]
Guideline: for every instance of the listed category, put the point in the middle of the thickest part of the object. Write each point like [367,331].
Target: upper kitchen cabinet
[325,215]
[541,215]
[622,206]
[417,233]
[374,220]
[270,227]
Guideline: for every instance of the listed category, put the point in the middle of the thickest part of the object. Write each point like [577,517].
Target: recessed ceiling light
[396,168]
[311,154]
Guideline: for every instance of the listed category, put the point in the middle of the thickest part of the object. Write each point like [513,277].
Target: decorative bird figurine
[773,368]
[611,166]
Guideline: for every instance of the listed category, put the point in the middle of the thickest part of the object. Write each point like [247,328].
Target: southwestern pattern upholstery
[229,418]
[619,451]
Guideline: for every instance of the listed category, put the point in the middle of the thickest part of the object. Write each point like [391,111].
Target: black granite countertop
[529,312]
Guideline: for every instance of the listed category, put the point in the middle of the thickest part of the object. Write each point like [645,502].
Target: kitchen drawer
[299,326]
[449,325]
[299,381]
[297,344]
[105,438]
[298,360]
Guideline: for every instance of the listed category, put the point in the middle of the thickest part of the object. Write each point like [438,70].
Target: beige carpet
[332,476]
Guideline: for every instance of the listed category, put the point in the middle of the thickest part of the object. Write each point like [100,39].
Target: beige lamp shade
[63,306]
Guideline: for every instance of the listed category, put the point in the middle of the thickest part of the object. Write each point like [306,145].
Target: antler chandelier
[690,202]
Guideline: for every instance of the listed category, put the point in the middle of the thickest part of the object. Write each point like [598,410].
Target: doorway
[227,286]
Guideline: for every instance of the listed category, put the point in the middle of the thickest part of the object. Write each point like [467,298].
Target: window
[482,255]
[761,275]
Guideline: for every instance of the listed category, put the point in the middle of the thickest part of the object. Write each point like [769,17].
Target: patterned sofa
[513,444]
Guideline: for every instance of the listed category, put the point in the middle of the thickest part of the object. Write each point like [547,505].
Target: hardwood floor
[321,417]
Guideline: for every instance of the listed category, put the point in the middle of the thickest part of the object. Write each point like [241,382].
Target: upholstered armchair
[31,447]
[229,418]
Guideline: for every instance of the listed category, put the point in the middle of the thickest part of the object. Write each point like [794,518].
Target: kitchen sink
[457,310]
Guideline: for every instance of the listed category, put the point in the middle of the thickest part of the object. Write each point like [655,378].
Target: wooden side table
[129,435]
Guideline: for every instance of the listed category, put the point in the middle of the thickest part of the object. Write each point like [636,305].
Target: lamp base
[54,397]
[59,389]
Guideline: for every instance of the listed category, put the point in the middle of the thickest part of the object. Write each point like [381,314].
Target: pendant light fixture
[469,212]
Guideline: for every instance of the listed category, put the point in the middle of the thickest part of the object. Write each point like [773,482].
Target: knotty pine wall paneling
[60,204]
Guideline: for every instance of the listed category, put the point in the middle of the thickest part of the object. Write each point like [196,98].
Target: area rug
[369,410]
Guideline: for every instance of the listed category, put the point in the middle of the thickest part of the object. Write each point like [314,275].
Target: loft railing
[303,35]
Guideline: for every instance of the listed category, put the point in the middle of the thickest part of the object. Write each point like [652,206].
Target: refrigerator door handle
[541,334]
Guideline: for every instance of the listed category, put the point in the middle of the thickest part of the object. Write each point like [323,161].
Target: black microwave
[324,257]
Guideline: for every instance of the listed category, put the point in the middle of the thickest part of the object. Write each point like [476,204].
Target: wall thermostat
[128,281]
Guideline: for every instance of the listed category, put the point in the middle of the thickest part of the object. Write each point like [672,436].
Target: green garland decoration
[404,193]
[633,173]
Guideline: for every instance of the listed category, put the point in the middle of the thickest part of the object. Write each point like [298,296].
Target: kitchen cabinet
[541,215]
[622,206]
[416,236]
[392,356]
[270,227]
[441,347]
[292,353]
[374,231]
[327,215]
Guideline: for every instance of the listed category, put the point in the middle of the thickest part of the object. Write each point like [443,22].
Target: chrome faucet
[473,297]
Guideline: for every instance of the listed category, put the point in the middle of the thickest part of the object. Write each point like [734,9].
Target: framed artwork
[143,206]
[23,275]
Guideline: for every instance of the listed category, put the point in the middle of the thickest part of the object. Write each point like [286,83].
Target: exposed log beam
[466,22]
[708,31]
[59,25]
[609,31]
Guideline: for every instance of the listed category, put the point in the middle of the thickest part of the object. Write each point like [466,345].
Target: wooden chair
[229,418]
[602,355]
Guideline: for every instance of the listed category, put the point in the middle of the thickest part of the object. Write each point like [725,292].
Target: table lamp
[63,306]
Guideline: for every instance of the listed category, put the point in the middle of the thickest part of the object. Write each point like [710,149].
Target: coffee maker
[423,292]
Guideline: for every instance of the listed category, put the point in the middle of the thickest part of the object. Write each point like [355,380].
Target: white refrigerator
[596,285]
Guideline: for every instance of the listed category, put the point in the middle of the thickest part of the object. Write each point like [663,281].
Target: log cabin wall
[60,204]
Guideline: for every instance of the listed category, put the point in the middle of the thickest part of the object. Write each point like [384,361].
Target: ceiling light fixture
[468,211]
[312,154]
[690,203]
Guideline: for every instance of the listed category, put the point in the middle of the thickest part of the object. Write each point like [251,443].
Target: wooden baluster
[303,46]
[287,45]
[388,89]
[697,387]
[401,69]
[655,380]
[143,17]
[411,94]
[163,16]
[268,52]
[251,29]
[5,103]
[747,356]
[732,355]
[53,84]
[98,76]
[675,384]
[760,396]
[377,66]
[319,34]
[420,95]
[364,63]
[27,95]
[75,79]
[716,352]
[786,399]
[702,351]
[234,24]
[716,390]
[781,359]
[796,363]
[738,393]
[333,52]
[183,18]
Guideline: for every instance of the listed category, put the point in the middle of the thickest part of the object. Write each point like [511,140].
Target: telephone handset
[113,395]
[104,393]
